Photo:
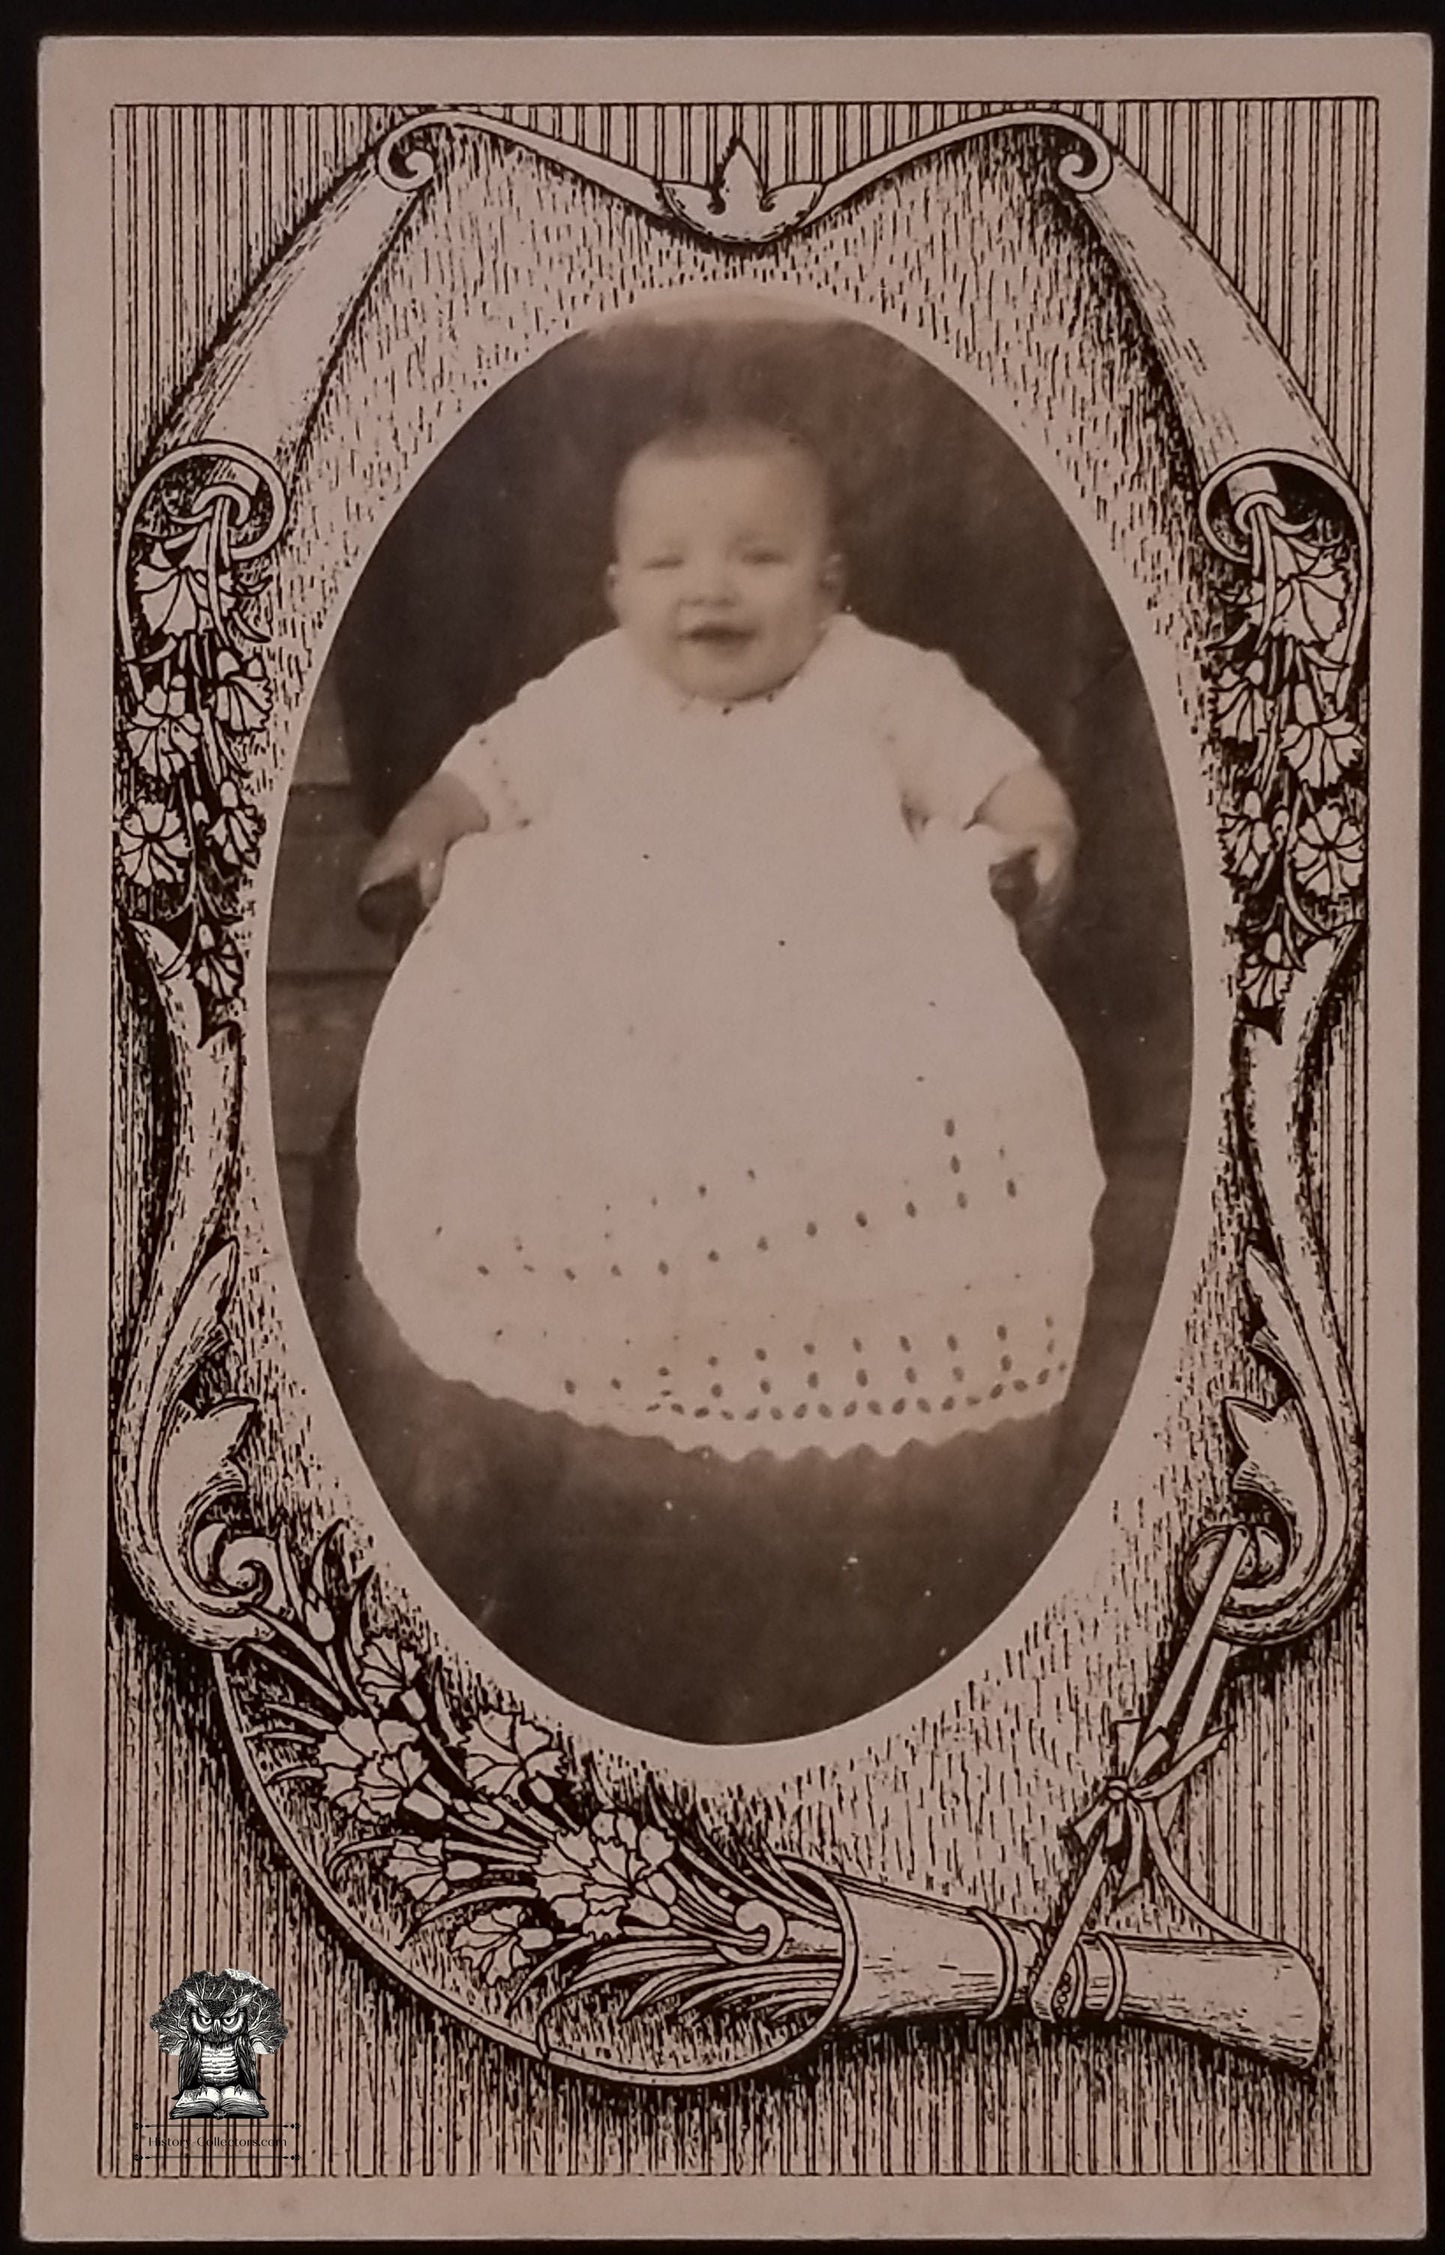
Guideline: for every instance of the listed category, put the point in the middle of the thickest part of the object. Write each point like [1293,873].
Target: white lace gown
[714,1100]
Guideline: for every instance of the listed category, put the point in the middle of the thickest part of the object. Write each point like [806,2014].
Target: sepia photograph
[726,1420]
[743,1229]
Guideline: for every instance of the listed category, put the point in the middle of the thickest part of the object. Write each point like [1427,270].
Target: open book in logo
[220,2024]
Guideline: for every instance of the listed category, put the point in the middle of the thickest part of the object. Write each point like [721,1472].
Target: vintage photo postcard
[726,1467]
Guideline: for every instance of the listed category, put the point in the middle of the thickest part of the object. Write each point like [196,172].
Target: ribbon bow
[1124,1818]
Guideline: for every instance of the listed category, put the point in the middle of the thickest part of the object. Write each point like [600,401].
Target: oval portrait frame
[1187,1232]
[574,1889]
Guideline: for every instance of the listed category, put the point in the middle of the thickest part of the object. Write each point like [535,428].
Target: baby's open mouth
[718,636]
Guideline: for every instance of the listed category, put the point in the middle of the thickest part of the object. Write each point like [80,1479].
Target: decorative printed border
[1292,712]
[189,584]
[493,1849]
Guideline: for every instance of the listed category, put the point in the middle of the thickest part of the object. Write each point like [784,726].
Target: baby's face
[724,579]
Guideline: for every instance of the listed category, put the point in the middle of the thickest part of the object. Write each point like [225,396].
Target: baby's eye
[763,556]
[661,563]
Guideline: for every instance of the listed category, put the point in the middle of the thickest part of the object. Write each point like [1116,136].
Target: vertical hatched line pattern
[1282,194]
[1310,247]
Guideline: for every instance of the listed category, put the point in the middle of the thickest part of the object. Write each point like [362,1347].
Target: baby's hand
[1037,838]
[414,849]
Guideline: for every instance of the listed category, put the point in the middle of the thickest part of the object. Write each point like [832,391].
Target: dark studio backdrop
[490,573]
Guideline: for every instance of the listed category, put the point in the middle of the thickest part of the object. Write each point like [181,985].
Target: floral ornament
[500,1943]
[232,827]
[152,844]
[217,963]
[486,1837]
[165,735]
[385,1672]
[1329,852]
[1323,754]
[1322,751]
[1242,714]
[1268,970]
[179,590]
[374,1768]
[1290,718]
[193,693]
[506,1752]
[429,1869]
[1252,838]
[242,697]
[1302,591]
[611,1872]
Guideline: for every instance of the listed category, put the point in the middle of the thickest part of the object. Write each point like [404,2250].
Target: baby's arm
[1031,813]
[416,844]
[960,760]
[500,775]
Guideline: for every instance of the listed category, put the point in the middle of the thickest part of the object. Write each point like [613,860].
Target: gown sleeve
[946,742]
[514,762]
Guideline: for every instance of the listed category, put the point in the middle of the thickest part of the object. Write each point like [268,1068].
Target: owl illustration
[219,2023]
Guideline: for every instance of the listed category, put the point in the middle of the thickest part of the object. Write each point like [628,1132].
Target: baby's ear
[832,577]
[609,588]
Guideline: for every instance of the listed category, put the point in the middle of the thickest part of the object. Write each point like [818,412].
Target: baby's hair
[722,437]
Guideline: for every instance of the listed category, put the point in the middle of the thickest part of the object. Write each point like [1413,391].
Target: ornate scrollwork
[1124,1829]
[1290,714]
[581,1929]
[1298,1469]
[176,1483]
[567,1923]
[1291,717]
[193,691]
[460,1845]
[544,1897]
[737,209]
[192,696]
